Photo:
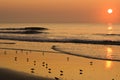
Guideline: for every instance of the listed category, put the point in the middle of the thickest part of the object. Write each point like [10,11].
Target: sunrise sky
[93,11]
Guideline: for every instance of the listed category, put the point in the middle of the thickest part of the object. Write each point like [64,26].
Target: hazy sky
[59,10]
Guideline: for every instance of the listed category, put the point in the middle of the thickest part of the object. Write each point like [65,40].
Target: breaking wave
[47,39]
[34,34]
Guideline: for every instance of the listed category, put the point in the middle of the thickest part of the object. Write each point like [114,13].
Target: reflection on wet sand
[108,64]
[109,55]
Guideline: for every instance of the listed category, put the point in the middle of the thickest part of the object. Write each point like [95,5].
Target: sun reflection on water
[110,28]
[109,53]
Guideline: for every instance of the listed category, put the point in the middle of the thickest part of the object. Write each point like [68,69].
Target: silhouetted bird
[61,71]
[56,78]
[81,70]
[43,62]
[32,69]
[49,69]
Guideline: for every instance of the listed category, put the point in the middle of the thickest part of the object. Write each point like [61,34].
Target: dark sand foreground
[7,74]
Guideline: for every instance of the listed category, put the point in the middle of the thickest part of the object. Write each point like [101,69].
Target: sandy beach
[40,60]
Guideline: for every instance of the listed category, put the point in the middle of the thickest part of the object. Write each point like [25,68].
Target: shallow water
[38,58]
[101,52]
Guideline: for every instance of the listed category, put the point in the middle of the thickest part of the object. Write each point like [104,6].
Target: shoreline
[96,42]
[84,56]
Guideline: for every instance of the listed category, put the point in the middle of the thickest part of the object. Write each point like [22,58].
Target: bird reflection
[27,59]
[5,52]
[26,53]
[15,58]
[43,53]
[68,58]
[16,52]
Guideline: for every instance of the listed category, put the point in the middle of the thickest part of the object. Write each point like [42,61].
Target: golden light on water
[108,64]
[110,28]
[109,53]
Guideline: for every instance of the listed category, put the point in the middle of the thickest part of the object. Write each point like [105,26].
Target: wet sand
[38,59]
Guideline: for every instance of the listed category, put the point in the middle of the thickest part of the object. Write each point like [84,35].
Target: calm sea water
[67,51]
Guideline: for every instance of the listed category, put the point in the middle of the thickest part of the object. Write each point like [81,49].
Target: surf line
[97,42]
[80,55]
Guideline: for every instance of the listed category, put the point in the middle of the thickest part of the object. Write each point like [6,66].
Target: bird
[56,78]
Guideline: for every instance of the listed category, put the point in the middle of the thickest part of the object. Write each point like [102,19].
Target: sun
[110,11]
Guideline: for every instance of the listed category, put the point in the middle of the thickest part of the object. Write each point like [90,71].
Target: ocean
[80,50]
